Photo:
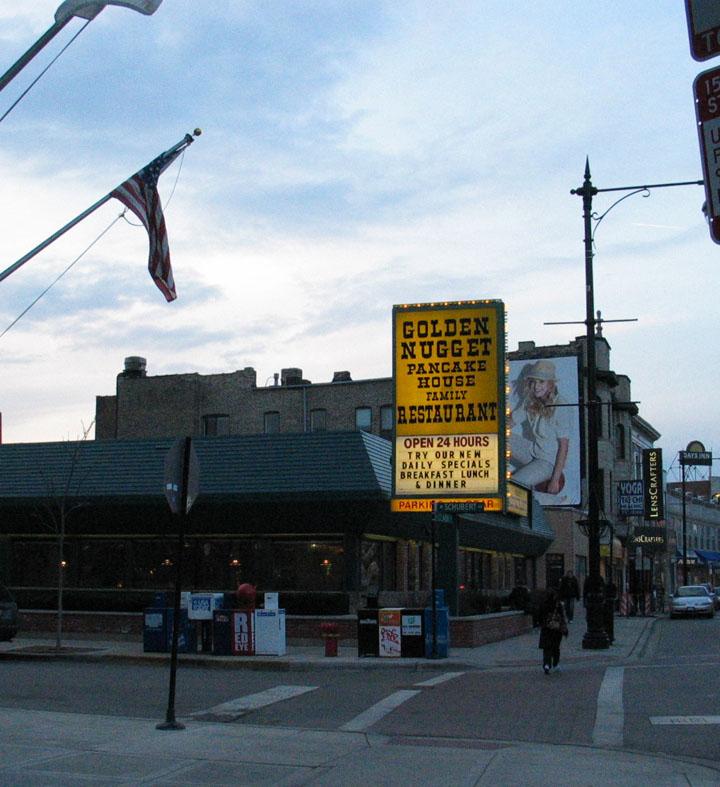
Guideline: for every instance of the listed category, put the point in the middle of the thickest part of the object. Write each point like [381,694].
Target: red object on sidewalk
[329,632]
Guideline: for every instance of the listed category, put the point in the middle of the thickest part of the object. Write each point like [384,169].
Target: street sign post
[706,89]
[703,19]
[181,483]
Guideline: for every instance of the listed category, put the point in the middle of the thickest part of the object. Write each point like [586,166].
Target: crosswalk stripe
[258,700]
[379,710]
[438,679]
[685,720]
[610,717]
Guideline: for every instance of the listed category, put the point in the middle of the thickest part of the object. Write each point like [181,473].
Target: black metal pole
[170,722]
[684,520]
[433,582]
[595,637]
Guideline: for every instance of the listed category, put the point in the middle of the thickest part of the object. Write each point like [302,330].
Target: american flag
[140,194]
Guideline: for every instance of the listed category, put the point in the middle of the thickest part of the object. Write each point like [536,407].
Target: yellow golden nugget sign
[449,378]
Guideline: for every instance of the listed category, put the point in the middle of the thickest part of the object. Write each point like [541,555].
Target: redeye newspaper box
[243,635]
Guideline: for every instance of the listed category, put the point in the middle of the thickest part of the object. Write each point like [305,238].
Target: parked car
[692,600]
[8,615]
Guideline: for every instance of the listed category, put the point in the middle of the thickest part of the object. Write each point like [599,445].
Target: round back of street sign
[181,452]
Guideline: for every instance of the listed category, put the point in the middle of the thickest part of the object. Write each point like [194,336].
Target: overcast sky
[354,155]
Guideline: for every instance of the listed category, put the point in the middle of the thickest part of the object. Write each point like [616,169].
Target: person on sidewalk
[569,593]
[553,627]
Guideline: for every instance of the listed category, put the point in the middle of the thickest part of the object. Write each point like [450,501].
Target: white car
[692,600]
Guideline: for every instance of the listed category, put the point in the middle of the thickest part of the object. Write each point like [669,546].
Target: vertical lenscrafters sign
[449,392]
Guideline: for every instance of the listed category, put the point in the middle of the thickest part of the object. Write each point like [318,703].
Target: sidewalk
[42,748]
[630,635]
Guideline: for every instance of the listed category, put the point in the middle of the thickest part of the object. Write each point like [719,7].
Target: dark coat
[548,637]
[569,588]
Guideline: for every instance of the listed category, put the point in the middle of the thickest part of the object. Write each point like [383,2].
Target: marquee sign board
[449,400]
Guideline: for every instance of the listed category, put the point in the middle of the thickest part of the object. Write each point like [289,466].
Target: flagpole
[44,39]
[187,140]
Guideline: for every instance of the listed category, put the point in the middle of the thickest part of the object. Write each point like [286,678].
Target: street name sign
[706,89]
[703,19]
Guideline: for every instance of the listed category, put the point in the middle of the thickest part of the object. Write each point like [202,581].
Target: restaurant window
[271,422]
[363,419]
[386,421]
[34,564]
[101,564]
[318,420]
[153,564]
[216,425]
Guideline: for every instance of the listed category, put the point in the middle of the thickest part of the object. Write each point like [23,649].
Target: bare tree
[63,498]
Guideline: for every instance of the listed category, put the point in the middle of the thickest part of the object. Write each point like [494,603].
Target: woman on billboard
[541,429]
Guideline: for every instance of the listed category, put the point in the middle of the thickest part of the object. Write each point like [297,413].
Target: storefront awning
[707,556]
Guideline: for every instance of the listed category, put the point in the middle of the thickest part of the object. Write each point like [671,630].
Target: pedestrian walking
[553,627]
[569,593]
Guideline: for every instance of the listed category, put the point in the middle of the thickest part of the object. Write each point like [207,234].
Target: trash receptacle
[367,632]
[412,634]
[442,634]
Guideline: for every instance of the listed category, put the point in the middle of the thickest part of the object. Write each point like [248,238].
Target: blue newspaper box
[442,636]
[155,638]
[187,634]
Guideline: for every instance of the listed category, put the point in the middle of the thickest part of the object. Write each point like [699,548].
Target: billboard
[545,428]
[449,400]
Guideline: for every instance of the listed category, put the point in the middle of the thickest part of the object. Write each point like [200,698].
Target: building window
[363,419]
[318,420]
[386,421]
[216,425]
[271,422]
[619,441]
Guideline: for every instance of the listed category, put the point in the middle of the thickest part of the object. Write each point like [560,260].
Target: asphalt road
[666,701]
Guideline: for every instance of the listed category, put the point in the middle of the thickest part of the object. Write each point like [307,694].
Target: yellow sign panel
[449,377]
[446,368]
[517,499]
[465,464]
[423,505]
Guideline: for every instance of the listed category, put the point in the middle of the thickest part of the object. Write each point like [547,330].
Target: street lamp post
[85,9]
[596,636]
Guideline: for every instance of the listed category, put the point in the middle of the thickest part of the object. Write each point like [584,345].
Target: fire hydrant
[329,633]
